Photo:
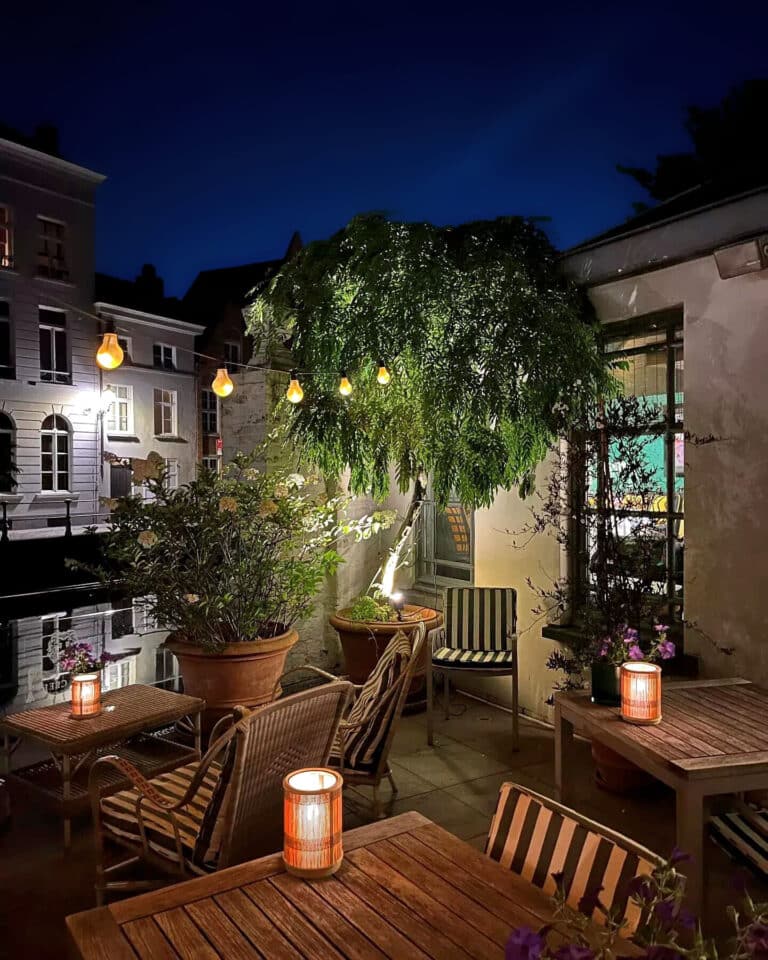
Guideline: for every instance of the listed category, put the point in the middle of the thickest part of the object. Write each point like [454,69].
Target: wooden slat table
[713,739]
[406,889]
[74,743]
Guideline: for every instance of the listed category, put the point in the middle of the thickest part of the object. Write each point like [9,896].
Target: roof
[145,293]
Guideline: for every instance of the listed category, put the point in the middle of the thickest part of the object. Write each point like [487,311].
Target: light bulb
[222,384]
[383,376]
[110,354]
[345,387]
[294,392]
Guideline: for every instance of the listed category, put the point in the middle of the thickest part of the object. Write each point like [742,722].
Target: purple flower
[635,653]
[679,856]
[631,635]
[666,912]
[589,902]
[572,951]
[666,649]
[756,940]
[605,648]
[523,944]
[660,627]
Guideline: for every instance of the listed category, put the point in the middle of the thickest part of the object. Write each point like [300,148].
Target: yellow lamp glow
[312,845]
[345,387]
[294,392]
[222,384]
[640,692]
[110,354]
[383,376]
[86,695]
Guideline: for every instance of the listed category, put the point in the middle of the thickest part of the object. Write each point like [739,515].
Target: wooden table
[713,739]
[74,744]
[406,889]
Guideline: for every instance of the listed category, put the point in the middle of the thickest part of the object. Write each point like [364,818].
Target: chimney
[149,286]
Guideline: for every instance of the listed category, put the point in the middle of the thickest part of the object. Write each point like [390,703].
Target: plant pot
[616,774]
[363,643]
[606,683]
[241,674]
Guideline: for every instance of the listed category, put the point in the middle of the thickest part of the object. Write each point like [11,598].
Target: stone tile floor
[455,784]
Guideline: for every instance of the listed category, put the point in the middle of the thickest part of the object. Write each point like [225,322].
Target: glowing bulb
[383,376]
[110,353]
[345,387]
[294,392]
[222,385]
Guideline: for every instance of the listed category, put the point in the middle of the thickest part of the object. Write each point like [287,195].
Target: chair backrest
[269,743]
[480,618]
[377,709]
[536,837]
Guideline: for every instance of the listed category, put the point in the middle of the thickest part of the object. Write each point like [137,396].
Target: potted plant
[79,660]
[624,645]
[229,564]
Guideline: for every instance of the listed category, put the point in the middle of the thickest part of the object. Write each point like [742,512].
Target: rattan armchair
[224,808]
[361,750]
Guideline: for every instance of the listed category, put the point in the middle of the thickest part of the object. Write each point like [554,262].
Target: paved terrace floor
[455,784]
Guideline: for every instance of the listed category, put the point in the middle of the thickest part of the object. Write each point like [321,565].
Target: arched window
[54,448]
[7,447]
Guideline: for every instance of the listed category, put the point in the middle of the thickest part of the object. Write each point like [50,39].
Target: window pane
[158,416]
[46,350]
[47,480]
[46,443]
[61,443]
[63,481]
[62,360]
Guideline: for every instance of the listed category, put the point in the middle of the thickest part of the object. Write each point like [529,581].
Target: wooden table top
[406,889]
[707,726]
[136,708]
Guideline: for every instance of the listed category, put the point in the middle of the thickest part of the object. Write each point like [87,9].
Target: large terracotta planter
[616,774]
[364,642]
[242,674]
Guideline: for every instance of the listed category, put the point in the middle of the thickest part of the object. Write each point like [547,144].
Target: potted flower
[79,660]
[625,644]
[229,564]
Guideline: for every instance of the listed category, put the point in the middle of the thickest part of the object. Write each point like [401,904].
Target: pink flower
[635,653]
[660,627]
[666,650]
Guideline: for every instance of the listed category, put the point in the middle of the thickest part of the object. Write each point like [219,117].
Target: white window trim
[8,227]
[11,365]
[113,423]
[239,348]
[207,410]
[54,433]
[45,326]
[163,347]
[44,218]
[212,462]
[171,473]
[127,344]
[174,405]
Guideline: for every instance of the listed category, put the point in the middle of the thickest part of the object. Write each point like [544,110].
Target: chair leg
[447,696]
[392,782]
[430,693]
[515,715]
[376,805]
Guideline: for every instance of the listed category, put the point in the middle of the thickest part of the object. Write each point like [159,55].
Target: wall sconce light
[641,692]
[86,695]
[312,815]
[398,602]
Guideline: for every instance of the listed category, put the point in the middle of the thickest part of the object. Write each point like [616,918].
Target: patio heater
[312,816]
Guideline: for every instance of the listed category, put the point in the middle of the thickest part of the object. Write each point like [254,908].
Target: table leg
[5,755]
[198,724]
[66,792]
[563,742]
[689,826]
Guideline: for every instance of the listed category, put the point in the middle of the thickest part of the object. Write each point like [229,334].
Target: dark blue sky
[224,127]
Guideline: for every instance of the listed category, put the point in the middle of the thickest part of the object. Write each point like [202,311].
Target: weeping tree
[492,354]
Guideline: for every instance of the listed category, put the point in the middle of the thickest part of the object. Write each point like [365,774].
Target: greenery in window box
[231,557]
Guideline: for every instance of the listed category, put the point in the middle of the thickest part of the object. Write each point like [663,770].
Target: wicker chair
[361,750]
[226,807]
[536,837]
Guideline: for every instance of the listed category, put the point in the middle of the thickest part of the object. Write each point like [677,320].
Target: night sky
[223,128]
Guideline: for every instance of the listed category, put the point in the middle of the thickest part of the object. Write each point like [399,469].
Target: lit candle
[312,845]
[641,692]
[86,695]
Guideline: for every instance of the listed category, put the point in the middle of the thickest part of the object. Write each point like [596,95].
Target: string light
[383,376]
[222,384]
[345,387]
[294,392]
[110,354]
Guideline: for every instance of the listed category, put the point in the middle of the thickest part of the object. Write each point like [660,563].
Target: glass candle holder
[86,695]
[641,692]
[312,846]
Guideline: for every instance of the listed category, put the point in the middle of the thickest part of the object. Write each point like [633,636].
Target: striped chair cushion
[373,712]
[536,839]
[743,835]
[480,618]
[474,658]
[119,817]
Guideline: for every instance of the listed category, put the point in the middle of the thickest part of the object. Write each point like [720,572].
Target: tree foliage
[491,350]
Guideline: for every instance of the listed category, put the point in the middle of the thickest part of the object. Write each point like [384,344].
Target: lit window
[120,418]
[7,370]
[54,351]
[211,463]
[164,356]
[6,237]
[8,467]
[171,474]
[51,249]
[165,413]
[55,454]
[210,407]
[232,356]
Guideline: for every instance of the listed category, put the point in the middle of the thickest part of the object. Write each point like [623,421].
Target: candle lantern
[86,695]
[641,692]
[312,845]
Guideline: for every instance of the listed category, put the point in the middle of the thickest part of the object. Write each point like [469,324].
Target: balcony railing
[66,519]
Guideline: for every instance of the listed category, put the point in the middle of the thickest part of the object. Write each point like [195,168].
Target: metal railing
[67,518]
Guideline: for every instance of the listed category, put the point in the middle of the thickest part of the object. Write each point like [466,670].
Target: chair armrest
[133,774]
[436,638]
[311,669]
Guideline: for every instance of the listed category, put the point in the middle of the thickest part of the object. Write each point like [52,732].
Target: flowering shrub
[76,658]
[626,644]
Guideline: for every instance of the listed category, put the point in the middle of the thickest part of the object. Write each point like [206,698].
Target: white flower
[147,539]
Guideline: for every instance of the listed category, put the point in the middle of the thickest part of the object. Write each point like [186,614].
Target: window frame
[113,420]
[45,269]
[55,432]
[232,364]
[212,462]
[53,375]
[127,345]
[172,404]
[171,473]
[163,365]
[7,259]
[427,560]
[8,469]
[7,370]
[206,412]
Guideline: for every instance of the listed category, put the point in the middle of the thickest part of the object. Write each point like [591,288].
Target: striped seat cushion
[480,618]
[743,835]
[372,712]
[119,816]
[473,658]
[537,840]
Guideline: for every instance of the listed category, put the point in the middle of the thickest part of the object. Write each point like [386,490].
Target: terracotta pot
[242,674]
[615,774]
[363,642]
